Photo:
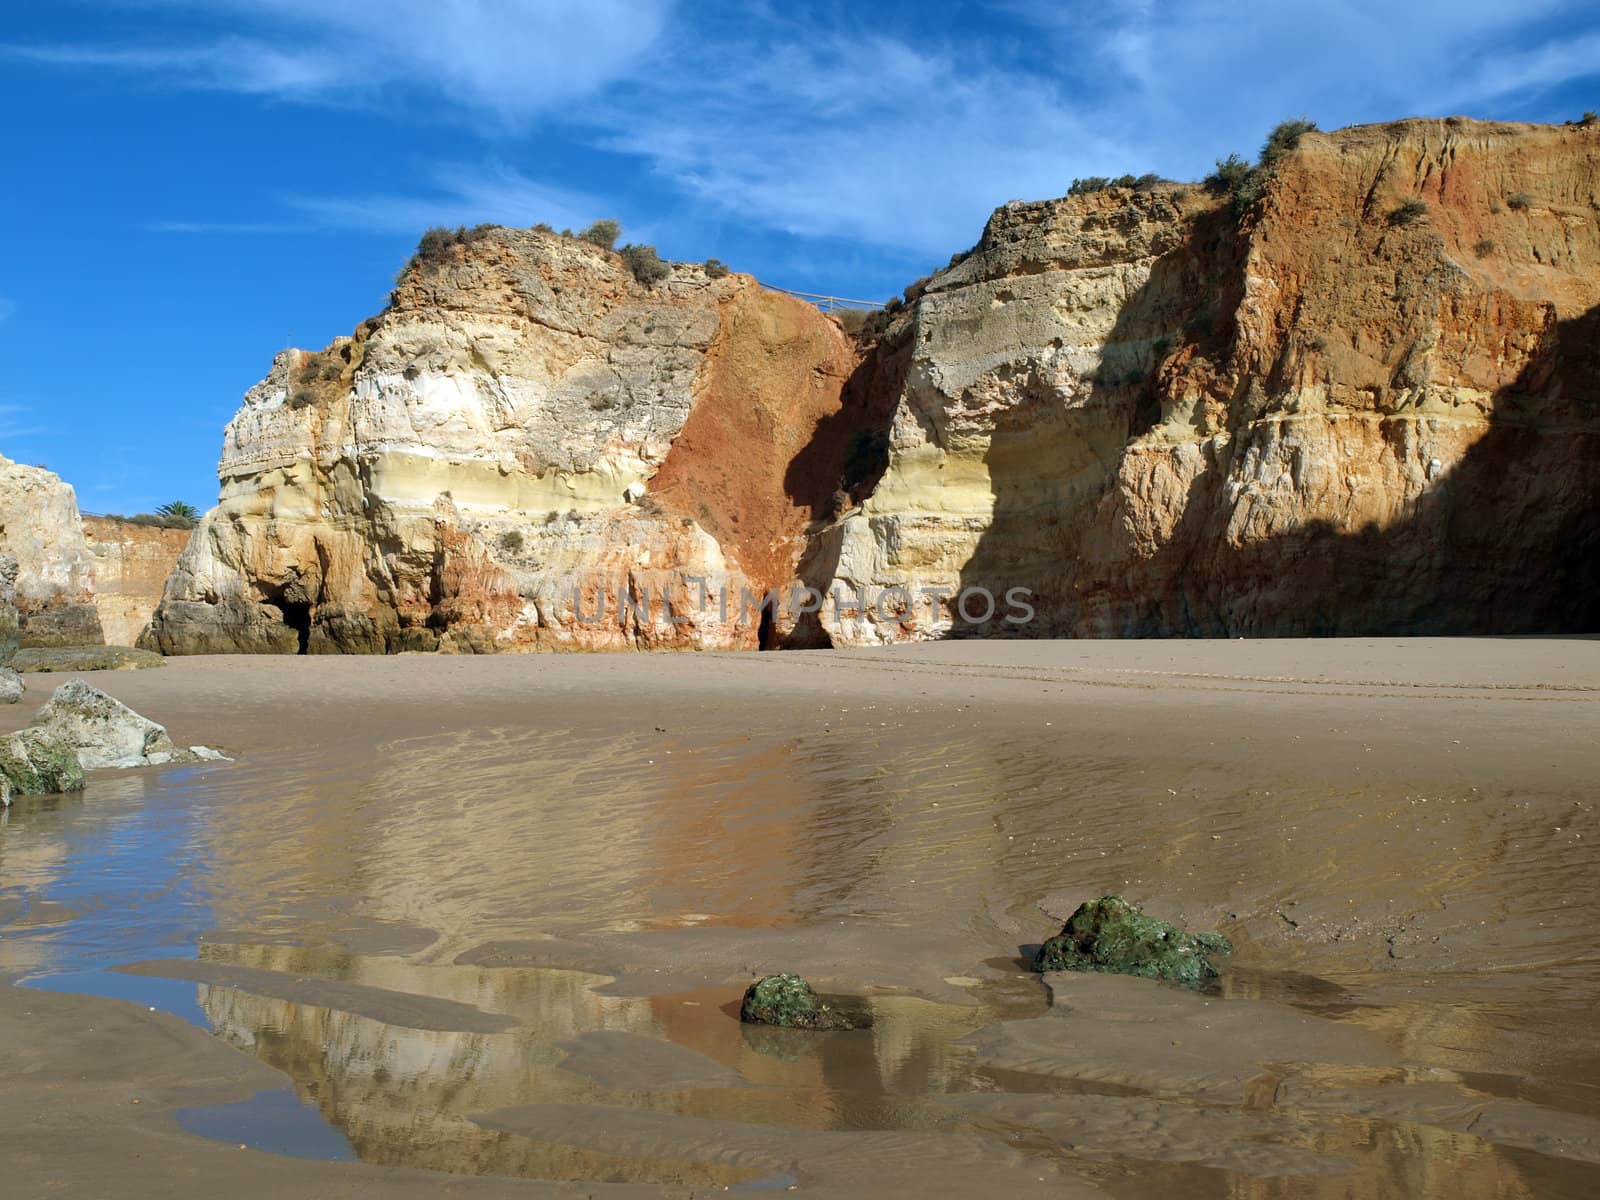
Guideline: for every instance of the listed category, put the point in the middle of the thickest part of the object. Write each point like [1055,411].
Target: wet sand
[477,925]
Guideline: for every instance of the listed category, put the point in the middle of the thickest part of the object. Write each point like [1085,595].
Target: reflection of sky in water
[111,877]
[278,1122]
[125,864]
[176,996]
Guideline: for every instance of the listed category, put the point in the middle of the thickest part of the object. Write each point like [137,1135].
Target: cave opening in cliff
[297,616]
[767,630]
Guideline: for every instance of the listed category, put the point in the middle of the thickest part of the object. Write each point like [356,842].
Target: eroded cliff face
[1319,417]
[1141,413]
[40,528]
[131,564]
[524,435]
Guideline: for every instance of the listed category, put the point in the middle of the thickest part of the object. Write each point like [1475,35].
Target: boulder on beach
[1111,935]
[34,764]
[788,1000]
[104,732]
[43,660]
[11,688]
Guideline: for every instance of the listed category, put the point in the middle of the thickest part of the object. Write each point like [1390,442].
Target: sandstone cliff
[131,564]
[524,434]
[41,529]
[1330,412]
[1328,415]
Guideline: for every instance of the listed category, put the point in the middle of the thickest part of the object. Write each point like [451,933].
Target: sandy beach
[478,926]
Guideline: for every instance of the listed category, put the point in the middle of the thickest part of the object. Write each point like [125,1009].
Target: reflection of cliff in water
[570,1093]
[408,1097]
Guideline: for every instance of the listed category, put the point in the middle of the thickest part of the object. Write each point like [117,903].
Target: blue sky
[190,186]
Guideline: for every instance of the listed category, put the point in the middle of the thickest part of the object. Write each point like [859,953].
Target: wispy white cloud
[909,141]
[17,422]
[1552,64]
[865,138]
[500,60]
[233,64]
[226,227]
[827,124]
[1188,82]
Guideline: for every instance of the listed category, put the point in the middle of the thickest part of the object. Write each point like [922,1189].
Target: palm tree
[180,510]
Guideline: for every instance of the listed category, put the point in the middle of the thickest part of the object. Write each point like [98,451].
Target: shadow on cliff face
[1051,466]
[1505,542]
[839,467]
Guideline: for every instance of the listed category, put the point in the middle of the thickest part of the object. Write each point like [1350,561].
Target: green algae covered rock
[788,1000]
[1111,935]
[38,765]
[10,623]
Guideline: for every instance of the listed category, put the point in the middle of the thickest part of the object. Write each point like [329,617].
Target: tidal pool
[517,950]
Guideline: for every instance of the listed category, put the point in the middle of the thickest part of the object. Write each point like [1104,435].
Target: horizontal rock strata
[524,435]
[1365,402]
[1321,416]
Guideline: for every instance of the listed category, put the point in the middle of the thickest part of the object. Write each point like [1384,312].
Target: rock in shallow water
[104,732]
[83,728]
[788,1000]
[34,764]
[11,688]
[1111,935]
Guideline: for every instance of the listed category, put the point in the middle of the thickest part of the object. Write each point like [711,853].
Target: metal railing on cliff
[825,302]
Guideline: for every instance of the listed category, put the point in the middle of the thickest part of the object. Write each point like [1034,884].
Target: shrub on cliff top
[1236,178]
[437,243]
[716,268]
[179,510]
[155,520]
[864,325]
[434,244]
[917,289]
[1283,139]
[603,234]
[1099,183]
[645,264]
[1230,173]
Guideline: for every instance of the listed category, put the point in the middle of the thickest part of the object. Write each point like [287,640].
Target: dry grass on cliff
[325,374]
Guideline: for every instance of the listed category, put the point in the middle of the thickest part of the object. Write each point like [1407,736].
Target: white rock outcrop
[104,732]
[40,528]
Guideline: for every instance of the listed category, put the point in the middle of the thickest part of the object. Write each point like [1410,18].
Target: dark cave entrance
[297,616]
[767,630]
